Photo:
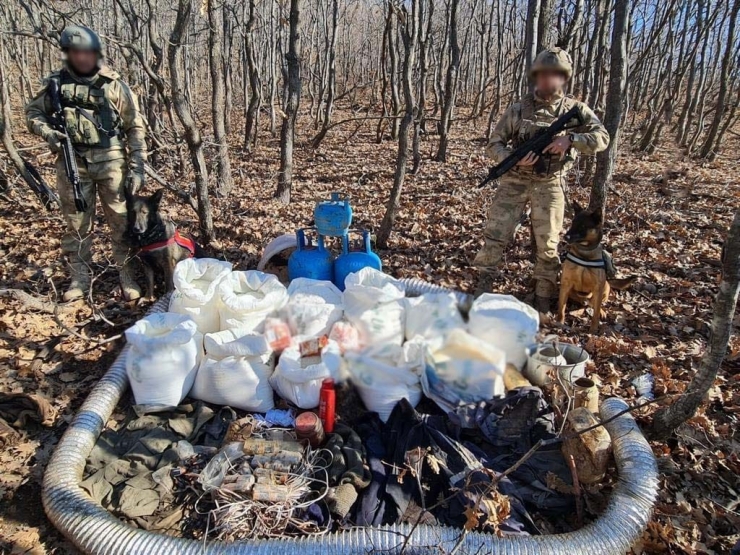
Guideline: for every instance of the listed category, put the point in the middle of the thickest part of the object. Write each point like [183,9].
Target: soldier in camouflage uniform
[550,72]
[108,133]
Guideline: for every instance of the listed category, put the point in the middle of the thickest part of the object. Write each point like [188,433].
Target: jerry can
[308,261]
[333,217]
[353,261]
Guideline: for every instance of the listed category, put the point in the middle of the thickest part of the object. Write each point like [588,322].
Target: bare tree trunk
[450,86]
[530,37]
[410,35]
[255,85]
[192,133]
[218,99]
[393,57]
[616,97]
[331,84]
[707,149]
[669,418]
[227,18]
[292,103]
[544,25]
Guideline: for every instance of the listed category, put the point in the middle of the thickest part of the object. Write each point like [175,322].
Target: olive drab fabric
[522,185]
[89,116]
[103,120]
[553,59]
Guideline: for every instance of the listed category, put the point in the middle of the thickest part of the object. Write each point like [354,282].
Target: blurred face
[548,83]
[82,61]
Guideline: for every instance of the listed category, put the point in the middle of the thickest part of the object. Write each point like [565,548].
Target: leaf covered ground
[666,220]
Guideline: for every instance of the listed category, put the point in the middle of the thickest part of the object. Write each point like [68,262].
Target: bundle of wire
[238,515]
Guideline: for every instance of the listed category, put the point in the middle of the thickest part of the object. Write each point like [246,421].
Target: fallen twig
[34,303]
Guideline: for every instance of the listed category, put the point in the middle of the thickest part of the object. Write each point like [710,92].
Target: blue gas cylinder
[310,262]
[333,217]
[353,261]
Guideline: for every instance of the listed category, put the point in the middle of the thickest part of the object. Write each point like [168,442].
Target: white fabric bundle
[505,322]
[196,286]
[235,371]
[299,381]
[313,307]
[432,316]
[163,359]
[386,374]
[248,299]
[374,304]
[465,369]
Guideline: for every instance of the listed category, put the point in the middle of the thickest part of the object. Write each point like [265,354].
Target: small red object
[183,240]
[308,426]
[327,404]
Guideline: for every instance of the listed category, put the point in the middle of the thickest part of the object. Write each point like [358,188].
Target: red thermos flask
[327,404]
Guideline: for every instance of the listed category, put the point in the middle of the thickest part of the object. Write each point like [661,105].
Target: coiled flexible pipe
[95,531]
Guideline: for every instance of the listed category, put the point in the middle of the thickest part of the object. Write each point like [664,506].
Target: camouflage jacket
[100,113]
[522,119]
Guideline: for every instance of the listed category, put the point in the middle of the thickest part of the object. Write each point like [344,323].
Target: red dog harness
[185,242]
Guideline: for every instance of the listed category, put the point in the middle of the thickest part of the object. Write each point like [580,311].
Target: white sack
[374,304]
[386,374]
[464,370]
[248,299]
[432,316]
[196,286]
[235,371]
[300,381]
[505,322]
[163,359]
[313,307]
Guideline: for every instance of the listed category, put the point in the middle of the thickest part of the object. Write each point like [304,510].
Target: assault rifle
[536,144]
[68,151]
[47,196]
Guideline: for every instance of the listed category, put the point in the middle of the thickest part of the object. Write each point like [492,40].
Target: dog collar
[585,263]
[185,242]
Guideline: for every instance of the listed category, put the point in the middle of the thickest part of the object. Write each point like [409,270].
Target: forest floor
[666,221]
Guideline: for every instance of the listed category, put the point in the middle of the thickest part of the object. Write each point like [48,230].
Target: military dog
[584,278]
[158,243]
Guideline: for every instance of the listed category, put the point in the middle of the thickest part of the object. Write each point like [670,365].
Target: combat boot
[129,288]
[80,283]
[485,283]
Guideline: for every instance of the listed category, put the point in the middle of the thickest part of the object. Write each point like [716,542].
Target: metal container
[310,262]
[540,372]
[353,261]
[333,217]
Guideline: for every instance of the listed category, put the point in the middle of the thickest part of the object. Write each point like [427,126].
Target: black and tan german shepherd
[584,277]
[158,244]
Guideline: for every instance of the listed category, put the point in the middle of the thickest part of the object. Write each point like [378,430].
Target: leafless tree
[292,103]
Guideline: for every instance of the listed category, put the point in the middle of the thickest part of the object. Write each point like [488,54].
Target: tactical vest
[91,119]
[532,122]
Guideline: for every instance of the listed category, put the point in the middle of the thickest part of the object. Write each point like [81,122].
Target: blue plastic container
[353,261]
[311,262]
[333,217]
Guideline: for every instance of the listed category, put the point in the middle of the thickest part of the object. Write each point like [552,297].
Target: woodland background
[258,108]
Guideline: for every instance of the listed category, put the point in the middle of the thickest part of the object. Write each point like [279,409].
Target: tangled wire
[264,495]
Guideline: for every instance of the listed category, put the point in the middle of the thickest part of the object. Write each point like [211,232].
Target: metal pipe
[95,531]
[416,287]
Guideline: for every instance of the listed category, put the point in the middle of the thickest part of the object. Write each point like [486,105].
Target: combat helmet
[553,59]
[80,37]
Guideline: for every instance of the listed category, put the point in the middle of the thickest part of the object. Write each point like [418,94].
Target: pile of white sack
[235,337]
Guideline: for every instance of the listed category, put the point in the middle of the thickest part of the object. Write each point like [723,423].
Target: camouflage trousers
[548,205]
[106,180]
